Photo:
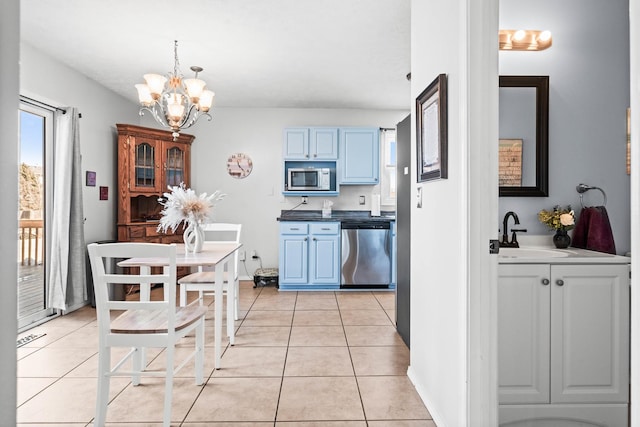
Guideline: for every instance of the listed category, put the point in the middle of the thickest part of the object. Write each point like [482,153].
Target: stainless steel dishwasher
[366,254]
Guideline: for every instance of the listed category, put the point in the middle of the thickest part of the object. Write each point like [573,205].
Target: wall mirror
[524,136]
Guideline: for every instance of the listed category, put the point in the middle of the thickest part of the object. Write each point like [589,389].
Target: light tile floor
[300,359]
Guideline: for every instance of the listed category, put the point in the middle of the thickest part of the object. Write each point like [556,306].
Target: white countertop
[551,255]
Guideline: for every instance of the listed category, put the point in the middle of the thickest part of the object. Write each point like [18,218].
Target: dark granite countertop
[336,215]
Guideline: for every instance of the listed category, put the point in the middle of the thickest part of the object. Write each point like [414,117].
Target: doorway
[36,137]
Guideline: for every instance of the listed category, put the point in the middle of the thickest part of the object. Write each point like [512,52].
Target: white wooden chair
[204,281]
[140,324]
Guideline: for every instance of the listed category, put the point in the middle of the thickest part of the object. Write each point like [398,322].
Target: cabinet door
[359,156]
[589,333]
[175,163]
[324,256]
[145,174]
[293,261]
[523,333]
[296,144]
[323,143]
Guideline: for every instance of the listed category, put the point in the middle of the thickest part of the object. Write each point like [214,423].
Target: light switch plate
[362,200]
[419,203]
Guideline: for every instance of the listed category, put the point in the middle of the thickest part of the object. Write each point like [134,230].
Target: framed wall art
[431,122]
[91,179]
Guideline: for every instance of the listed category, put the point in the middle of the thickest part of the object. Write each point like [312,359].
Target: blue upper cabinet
[359,156]
[311,144]
[296,144]
[323,144]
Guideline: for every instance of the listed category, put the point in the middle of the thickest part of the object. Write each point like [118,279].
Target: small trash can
[265,276]
[116,293]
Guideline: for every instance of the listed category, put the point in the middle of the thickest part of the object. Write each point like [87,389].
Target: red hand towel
[593,231]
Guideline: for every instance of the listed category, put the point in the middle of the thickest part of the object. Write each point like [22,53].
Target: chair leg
[102,397]
[231,324]
[168,385]
[236,308]
[183,295]
[138,365]
[199,359]
[201,297]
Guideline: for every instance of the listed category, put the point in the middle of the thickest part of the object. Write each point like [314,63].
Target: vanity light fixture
[524,39]
[175,102]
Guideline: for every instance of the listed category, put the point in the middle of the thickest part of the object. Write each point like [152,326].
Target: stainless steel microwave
[308,179]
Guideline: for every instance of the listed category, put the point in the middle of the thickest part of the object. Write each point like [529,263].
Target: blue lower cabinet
[309,255]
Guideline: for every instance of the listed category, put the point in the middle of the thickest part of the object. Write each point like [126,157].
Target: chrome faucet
[505,243]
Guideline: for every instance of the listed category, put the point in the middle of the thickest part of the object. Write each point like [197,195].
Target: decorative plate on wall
[239,165]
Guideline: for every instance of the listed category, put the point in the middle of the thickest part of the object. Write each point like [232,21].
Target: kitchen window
[388,172]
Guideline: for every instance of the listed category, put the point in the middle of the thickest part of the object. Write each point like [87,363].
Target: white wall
[9,78]
[256,201]
[588,69]
[45,79]
[453,287]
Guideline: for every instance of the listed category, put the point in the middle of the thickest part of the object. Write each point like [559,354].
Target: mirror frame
[541,84]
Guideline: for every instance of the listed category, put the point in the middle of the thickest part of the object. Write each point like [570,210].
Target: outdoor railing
[30,238]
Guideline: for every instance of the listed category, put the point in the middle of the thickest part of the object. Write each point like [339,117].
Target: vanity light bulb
[545,36]
[519,35]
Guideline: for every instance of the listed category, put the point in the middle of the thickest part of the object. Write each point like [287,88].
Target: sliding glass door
[36,136]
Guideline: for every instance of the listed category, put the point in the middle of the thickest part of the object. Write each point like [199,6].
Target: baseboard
[437,419]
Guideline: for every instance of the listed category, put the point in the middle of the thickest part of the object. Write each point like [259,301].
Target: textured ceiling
[255,53]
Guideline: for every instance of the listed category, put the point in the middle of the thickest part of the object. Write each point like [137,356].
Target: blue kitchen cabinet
[324,254]
[309,255]
[293,254]
[359,156]
[310,144]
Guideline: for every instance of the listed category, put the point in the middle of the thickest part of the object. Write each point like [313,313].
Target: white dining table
[213,254]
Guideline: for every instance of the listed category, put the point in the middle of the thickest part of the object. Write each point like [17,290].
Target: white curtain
[67,256]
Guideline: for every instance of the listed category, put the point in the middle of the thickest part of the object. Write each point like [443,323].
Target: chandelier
[175,102]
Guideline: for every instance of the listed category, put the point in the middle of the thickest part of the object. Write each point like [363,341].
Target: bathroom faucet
[505,243]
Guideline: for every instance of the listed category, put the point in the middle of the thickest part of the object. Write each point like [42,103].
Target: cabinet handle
[559,282]
[305,239]
[306,155]
[545,282]
[325,229]
[314,239]
[294,228]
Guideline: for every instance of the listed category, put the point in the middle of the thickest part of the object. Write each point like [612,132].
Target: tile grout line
[355,377]
[284,366]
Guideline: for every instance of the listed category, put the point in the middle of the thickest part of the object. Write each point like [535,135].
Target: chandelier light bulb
[206,101]
[195,87]
[155,82]
[144,95]
[519,35]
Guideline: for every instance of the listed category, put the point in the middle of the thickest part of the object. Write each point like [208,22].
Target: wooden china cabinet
[148,161]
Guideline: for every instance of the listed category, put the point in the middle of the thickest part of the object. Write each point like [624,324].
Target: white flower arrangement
[183,204]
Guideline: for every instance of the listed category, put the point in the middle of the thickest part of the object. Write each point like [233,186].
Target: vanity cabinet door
[523,333]
[589,333]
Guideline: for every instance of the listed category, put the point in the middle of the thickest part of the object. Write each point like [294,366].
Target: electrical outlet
[254,254]
[362,200]
[304,200]
[242,255]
